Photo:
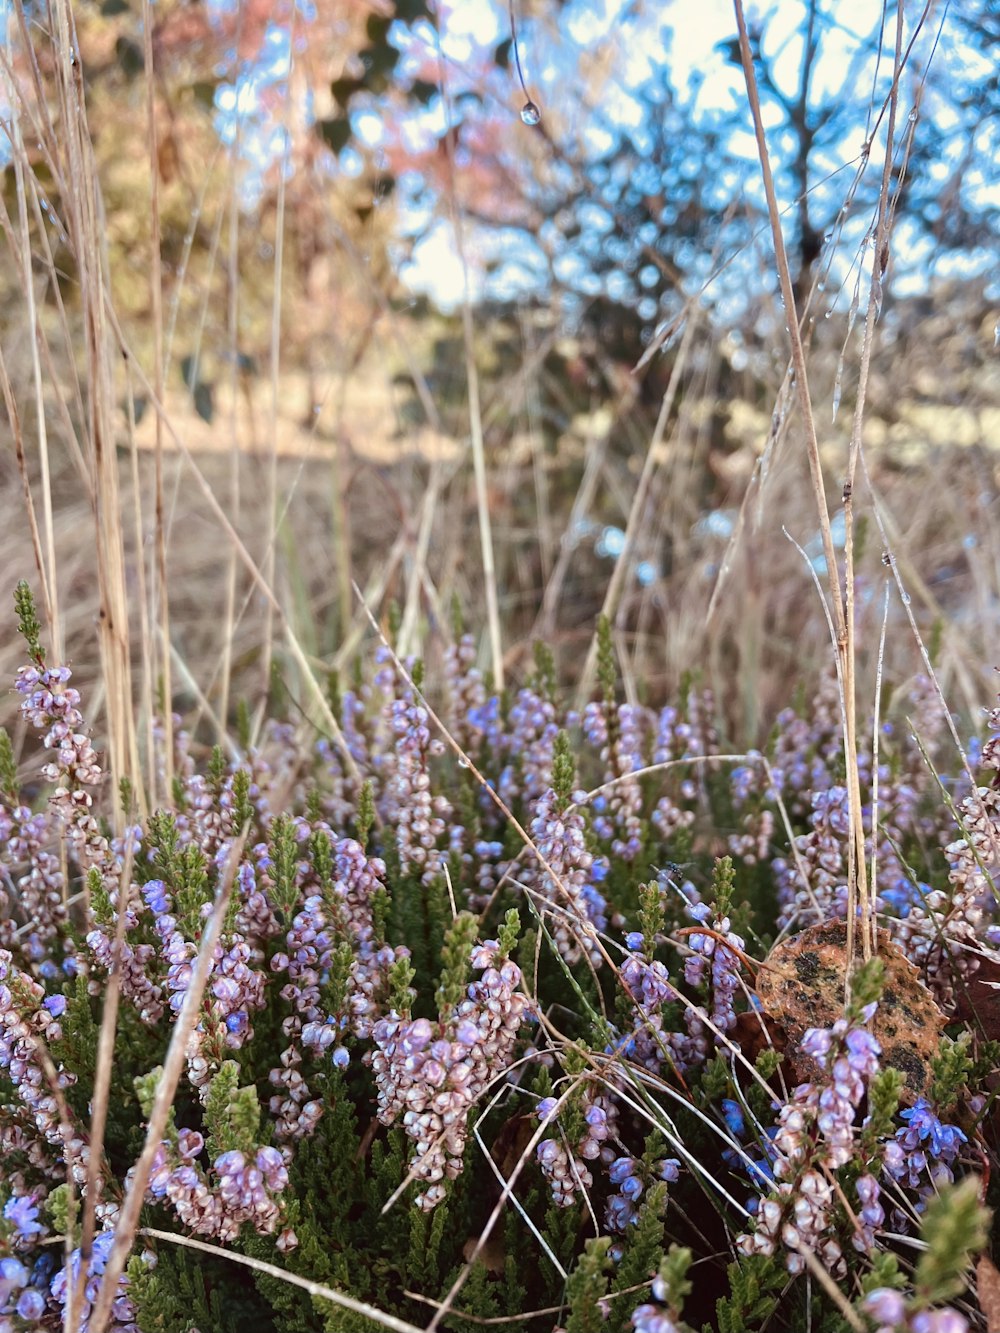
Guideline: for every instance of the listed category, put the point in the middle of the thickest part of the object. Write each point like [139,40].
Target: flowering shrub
[424,1055]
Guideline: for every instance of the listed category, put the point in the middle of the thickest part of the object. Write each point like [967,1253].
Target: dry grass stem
[166,1089]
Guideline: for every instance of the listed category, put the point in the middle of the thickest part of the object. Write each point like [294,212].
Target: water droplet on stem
[530,113]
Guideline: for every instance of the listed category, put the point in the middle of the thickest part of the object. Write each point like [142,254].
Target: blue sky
[619,39]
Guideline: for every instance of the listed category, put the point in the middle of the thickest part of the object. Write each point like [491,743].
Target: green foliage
[563,771]
[232,1113]
[321,860]
[427,1232]
[284,857]
[145,1086]
[723,884]
[955,1228]
[401,993]
[243,808]
[507,935]
[28,624]
[754,1282]
[244,725]
[884,1092]
[758,1094]
[183,869]
[884,1271]
[561,1229]
[8,768]
[715,1082]
[57,1208]
[866,987]
[381,907]
[366,811]
[100,900]
[185,1290]
[587,1286]
[455,962]
[643,1248]
[674,1269]
[216,769]
[77,1047]
[607,669]
[952,1066]
[350,1201]
[545,670]
[478,1298]
[652,917]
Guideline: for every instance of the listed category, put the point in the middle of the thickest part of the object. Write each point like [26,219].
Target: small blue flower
[620,1169]
[733,1113]
[924,1124]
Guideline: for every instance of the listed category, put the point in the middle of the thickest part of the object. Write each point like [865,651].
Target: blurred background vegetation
[334,259]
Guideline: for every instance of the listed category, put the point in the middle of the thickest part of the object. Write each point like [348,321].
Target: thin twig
[102,1070]
[857,878]
[166,1088]
[316,1289]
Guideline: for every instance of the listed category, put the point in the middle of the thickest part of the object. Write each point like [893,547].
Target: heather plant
[410,978]
[435,1043]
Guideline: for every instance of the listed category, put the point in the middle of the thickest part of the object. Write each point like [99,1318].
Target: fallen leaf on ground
[801,986]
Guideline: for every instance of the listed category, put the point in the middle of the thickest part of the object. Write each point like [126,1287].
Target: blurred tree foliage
[634,190]
[639,184]
[239,96]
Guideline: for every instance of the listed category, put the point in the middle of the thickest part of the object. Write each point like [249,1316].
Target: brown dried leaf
[988,1291]
[978,998]
[168,158]
[511,1143]
[801,986]
[493,1255]
[755,1032]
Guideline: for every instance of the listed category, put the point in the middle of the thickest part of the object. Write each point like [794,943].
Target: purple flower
[923,1151]
[31,1304]
[885,1305]
[939,1321]
[945,1140]
[22,1210]
[13,1276]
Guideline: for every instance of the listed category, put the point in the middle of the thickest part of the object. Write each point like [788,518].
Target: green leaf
[335,132]
[204,401]
[955,1228]
[344,89]
[129,57]
[408,11]
[423,90]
